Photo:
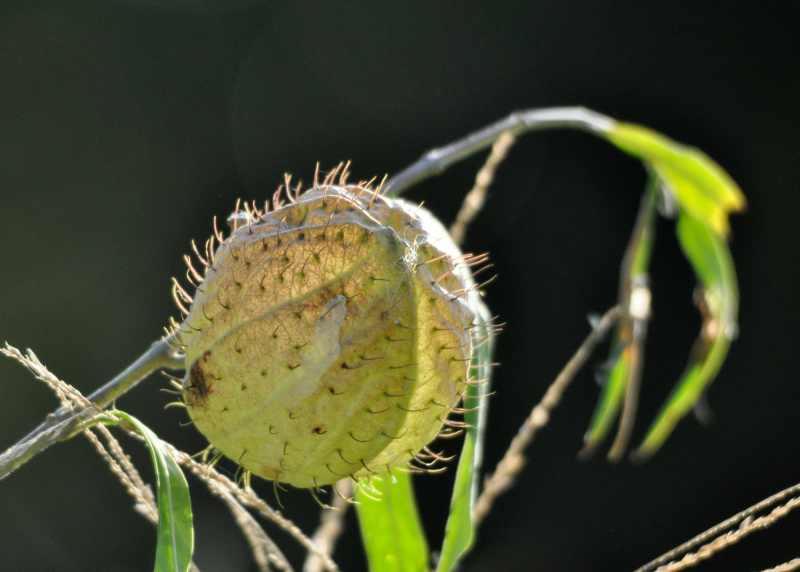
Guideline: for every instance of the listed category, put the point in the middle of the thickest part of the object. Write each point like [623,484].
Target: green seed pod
[327,338]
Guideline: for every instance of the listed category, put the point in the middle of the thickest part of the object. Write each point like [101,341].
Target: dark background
[124,126]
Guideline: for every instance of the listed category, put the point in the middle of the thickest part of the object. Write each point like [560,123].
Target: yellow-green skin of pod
[329,338]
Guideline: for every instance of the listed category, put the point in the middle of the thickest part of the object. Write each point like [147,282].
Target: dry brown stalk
[248,498]
[793,564]
[144,503]
[514,459]
[331,525]
[476,197]
[265,551]
[728,539]
[235,497]
[744,520]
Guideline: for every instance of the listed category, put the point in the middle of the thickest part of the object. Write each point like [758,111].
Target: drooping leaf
[702,188]
[634,300]
[718,299]
[391,531]
[705,195]
[460,528]
[175,537]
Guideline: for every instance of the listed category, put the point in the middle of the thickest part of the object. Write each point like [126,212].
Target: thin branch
[331,525]
[744,520]
[793,564]
[476,197]
[635,297]
[514,460]
[438,160]
[131,481]
[248,498]
[264,549]
[631,401]
[730,538]
[68,421]
[73,403]
[76,404]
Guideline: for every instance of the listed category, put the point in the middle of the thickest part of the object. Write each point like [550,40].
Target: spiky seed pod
[328,338]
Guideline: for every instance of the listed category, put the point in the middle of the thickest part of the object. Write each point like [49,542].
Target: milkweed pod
[329,337]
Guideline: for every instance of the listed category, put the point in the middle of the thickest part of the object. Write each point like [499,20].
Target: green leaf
[702,188]
[705,195]
[711,259]
[635,267]
[175,539]
[390,526]
[608,407]
[460,528]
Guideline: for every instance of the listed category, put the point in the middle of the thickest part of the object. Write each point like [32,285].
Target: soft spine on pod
[328,337]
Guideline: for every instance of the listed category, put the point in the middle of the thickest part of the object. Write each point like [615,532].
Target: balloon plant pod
[327,337]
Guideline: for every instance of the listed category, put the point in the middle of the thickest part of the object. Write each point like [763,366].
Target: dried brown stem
[248,498]
[634,298]
[331,525]
[264,549]
[514,459]
[476,197]
[68,420]
[793,564]
[728,539]
[126,473]
[76,406]
[742,519]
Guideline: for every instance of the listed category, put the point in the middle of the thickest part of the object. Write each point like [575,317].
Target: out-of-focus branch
[265,551]
[730,538]
[723,535]
[635,299]
[793,564]
[514,459]
[331,525]
[476,197]
[248,498]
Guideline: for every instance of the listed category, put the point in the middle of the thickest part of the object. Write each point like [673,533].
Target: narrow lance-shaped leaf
[460,528]
[634,299]
[705,195]
[607,409]
[390,527]
[175,537]
[718,300]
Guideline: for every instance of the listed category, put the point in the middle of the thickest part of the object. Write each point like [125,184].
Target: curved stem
[438,160]
[64,423]
[635,300]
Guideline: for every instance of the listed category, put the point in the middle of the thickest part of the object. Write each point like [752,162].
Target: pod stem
[438,160]
[64,423]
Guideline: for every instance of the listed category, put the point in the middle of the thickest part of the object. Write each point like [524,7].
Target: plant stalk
[64,422]
[438,160]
